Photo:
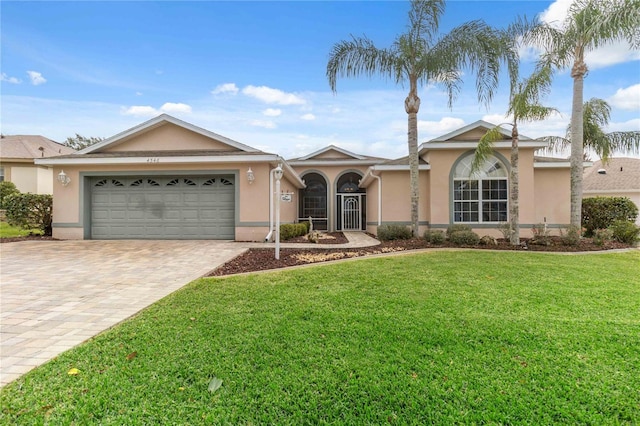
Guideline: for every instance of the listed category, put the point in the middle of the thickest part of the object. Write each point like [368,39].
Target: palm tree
[589,25]
[420,56]
[523,106]
[596,115]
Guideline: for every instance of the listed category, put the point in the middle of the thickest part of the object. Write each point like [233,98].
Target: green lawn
[8,231]
[436,338]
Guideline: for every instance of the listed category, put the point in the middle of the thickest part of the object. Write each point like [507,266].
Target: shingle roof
[179,153]
[30,146]
[620,174]
[402,161]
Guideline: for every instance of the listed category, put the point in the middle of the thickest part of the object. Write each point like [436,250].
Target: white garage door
[163,207]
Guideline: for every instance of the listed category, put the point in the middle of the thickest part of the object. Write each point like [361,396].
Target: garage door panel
[163,207]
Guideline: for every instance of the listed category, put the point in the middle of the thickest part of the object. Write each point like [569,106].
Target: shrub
[488,240]
[464,238]
[456,228]
[30,211]
[434,237]
[393,232]
[505,228]
[292,230]
[6,189]
[571,237]
[541,235]
[601,212]
[602,236]
[625,231]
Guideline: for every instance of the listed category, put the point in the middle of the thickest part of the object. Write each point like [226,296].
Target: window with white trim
[1,174]
[480,197]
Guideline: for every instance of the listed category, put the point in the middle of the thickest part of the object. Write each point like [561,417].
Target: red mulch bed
[263,259]
[325,238]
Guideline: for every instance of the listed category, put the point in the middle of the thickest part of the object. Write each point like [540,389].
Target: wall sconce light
[250,176]
[63,178]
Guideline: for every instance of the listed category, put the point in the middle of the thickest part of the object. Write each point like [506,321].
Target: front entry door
[351,212]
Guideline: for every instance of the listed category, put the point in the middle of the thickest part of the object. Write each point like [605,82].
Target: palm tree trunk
[514,191]
[577,147]
[411,106]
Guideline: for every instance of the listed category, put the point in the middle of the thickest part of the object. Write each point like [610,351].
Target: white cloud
[36,78]
[267,124]
[171,107]
[138,93]
[272,112]
[225,88]
[308,117]
[628,99]
[140,110]
[611,54]
[438,128]
[12,80]
[273,96]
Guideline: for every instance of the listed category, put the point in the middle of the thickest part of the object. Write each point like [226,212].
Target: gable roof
[340,157]
[28,147]
[618,174]
[330,148]
[156,122]
[457,139]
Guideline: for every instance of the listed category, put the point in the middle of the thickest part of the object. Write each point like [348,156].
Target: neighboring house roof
[158,121]
[28,147]
[617,175]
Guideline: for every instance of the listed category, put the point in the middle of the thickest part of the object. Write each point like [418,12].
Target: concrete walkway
[57,294]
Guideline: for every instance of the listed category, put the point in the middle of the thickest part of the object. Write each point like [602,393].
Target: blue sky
[255,72]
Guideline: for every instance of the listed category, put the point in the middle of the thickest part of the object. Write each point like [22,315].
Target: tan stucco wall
[29,177]
[168,137]
[552,197]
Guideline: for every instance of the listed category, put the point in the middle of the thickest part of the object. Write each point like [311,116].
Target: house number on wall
[153,160]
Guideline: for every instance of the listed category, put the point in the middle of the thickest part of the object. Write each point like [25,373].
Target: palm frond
[424,19]
[555,144]
[484,149]
[359,56]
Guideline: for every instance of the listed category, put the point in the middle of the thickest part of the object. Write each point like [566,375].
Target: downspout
[379,197]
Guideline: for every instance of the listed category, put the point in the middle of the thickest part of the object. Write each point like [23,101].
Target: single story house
[17,155]
[168,179]
[619,177]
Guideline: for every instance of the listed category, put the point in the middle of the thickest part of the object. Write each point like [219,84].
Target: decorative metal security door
[351,212]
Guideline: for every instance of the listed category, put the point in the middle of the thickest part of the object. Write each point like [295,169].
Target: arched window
[313,201]
[480,197]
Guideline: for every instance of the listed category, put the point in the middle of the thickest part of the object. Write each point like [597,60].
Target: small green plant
[505,229]
[292,230]
[456,228]
[602,236]
[393,232]
[571,237]
[434,236]
[7,189]
[29,211]
[541,235]
[625,231]
[601,212]
[464,238]
[488,240]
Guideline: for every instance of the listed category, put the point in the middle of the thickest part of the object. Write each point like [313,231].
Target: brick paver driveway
[56,294]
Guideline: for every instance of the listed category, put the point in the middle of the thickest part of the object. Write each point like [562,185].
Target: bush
[393,232]
[464,238]
[292,230]
[29,211]
[602,236]
[505,228]
[541,235]
[625,231]
[456,228]
[601,212]
[434,237]
[571,237]
[6,189]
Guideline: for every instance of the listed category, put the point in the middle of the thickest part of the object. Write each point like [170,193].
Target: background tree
[590,24]
[524,105]
[420,56]
[79,142]
[596,115]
